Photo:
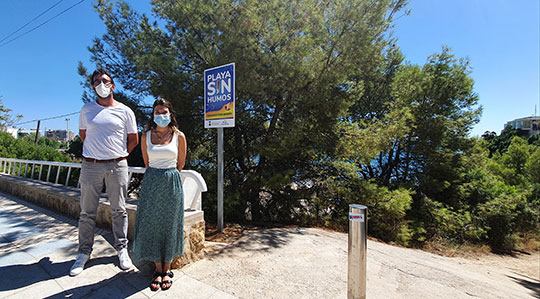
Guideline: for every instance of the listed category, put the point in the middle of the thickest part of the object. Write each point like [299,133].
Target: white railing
[15,167]
[193,182]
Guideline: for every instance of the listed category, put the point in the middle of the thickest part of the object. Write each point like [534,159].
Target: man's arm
[144,149]
[82,135]
[132,141]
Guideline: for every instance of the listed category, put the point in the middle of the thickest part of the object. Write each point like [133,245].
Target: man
[109,133]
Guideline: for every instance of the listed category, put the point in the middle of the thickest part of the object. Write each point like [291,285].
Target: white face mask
[102,90]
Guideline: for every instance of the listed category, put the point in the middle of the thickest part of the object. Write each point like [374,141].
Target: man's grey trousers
[115,176]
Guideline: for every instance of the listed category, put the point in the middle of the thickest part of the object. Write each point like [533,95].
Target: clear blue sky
[38,72]
[501,38]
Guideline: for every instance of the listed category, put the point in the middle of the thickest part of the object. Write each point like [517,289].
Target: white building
[528,125]
[13,131]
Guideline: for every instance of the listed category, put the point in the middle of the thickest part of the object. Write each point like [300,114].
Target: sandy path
[312,263]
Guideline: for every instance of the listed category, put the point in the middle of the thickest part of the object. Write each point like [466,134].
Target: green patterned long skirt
[159,224]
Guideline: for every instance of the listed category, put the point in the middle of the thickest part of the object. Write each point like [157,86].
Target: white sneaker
[78,266]
[125,260]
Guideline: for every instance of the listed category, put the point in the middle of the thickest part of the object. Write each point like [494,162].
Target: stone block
[193,245]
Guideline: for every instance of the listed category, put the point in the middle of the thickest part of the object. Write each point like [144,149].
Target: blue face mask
[162,120]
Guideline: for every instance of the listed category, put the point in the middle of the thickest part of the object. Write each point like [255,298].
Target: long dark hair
[162,102]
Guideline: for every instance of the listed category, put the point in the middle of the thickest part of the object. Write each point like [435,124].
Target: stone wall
[66,201]
[193,244]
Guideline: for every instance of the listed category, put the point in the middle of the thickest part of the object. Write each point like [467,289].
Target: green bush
[499,217]
[386,208]
[20,149]
[433,220]
[532,167]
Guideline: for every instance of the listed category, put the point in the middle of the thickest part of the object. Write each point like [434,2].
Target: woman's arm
[182,149]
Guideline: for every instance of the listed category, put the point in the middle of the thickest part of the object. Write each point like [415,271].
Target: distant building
[24,132]
[12,131]
[60,135]
[527,125]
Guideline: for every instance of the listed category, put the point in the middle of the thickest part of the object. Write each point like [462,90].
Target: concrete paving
[38,247]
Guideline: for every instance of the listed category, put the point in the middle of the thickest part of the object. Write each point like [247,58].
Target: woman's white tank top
[162,156]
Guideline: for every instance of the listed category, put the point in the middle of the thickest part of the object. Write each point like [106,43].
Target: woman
[159,225]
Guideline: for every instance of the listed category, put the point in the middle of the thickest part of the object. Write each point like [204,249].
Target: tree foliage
[499,144]
[43,141]
[21,149]
[294,61]
[6,119]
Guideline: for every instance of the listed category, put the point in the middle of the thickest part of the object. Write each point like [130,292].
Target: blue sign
[219,86]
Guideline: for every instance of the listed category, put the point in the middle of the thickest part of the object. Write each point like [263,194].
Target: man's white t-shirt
[106,130]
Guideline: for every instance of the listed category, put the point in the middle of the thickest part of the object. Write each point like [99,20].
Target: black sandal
[154,282]
[169,282]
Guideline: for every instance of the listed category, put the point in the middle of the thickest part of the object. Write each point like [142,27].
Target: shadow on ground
[114,287]
[21,276]
[261,240]
[530,284]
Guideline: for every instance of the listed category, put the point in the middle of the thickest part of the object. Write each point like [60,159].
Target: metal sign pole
[219,97]
[220,180]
